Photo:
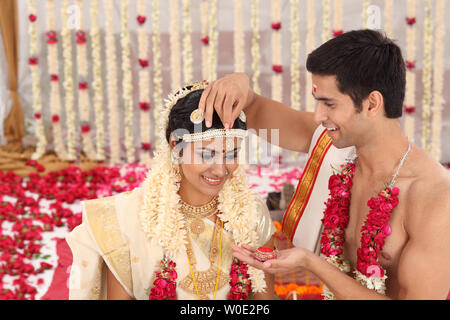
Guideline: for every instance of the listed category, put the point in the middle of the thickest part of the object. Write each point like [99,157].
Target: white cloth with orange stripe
[306,230]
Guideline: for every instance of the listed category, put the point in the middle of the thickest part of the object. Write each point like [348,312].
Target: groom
[359,85]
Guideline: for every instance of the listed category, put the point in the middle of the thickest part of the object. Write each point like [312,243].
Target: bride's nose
[219,170]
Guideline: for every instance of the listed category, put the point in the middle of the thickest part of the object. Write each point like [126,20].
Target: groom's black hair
[363,61]
[179,117]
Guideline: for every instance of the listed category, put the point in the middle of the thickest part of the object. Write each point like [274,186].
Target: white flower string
[388,17]
[204,19]
[161,217]
[295,53]
[426,76]
[174,45]
[277,93]
[238,38]
[69,96]
[438,99]
[255,64]
[365,15]
[83,89]
[144,83]
[187,42]
[310,46]
[326,29]
[410,94]
[157,79]
[127,83]
[277,64]
[97,83]
[111,75]
[213,38]
[55,98]
[35,82]
[255,46]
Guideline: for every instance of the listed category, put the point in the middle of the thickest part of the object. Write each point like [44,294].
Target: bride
[170,238]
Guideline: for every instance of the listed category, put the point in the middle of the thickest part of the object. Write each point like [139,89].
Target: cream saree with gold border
[111,236]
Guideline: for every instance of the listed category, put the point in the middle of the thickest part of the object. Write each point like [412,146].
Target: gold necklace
[195,215]
[204,282]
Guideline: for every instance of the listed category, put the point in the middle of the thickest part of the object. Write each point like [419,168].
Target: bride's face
[206,165]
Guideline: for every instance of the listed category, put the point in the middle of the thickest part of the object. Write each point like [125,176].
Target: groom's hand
[228,96]
[287,260]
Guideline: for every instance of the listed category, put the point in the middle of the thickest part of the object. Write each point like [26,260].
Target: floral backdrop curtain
[105,66]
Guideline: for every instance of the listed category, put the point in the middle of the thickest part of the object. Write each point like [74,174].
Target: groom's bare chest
[361,192]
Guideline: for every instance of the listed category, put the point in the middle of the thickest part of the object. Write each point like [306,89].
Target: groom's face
[336,111]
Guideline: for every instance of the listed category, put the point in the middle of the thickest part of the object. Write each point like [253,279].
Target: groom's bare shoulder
[429,193]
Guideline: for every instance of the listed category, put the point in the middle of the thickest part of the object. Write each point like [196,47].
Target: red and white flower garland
[144,83]
[55,100]
[254,21]
[337,24]
[83,88]
[410,94]
[127,83]
[295,52]
[373,232]
[36,89]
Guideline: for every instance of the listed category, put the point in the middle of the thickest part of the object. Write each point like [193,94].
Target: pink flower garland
[373,232]
[164,286]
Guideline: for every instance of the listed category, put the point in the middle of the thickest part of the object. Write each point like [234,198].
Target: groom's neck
[381,151]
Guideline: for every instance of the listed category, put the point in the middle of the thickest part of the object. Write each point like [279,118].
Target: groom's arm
[232,94]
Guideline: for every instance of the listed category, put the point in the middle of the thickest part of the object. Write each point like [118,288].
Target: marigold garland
[111,73]
[127,83]
[36,88]
[55,100]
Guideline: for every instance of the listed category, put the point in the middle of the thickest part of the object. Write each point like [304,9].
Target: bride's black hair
[179,117]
